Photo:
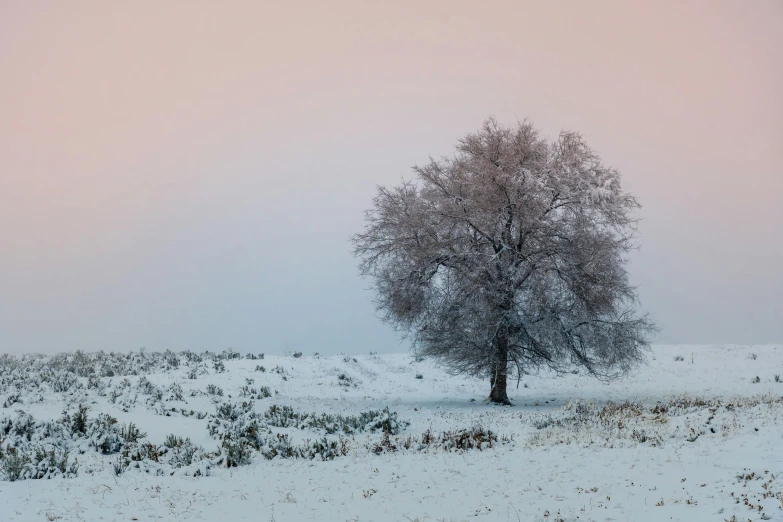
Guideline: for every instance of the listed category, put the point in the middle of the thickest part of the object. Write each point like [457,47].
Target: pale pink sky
[187,174]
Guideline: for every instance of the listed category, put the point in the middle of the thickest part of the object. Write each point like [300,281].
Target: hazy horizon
[185,175]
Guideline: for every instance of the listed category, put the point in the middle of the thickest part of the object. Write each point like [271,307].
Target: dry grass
[630,423]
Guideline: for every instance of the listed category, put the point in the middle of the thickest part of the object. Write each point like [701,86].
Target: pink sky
[187,174]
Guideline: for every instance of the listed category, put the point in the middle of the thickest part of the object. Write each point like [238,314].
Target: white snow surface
[552,470]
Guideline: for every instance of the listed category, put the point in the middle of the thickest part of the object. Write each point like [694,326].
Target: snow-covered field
[696,434]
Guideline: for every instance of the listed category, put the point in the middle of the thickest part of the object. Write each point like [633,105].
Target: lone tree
[509,257]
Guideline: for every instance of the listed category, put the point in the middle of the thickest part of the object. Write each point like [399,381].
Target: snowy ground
[694,439]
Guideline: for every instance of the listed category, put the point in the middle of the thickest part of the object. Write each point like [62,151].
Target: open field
[696,434]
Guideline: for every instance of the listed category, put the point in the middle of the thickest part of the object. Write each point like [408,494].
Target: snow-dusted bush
[368,421]
[13,464]
[38,463]
[130,433]
[460,440]
[175,392]
[174,456]
[346,381]
[237,452]
[214,390]
[323,448]
[261,392]
[238,421]
[242,431]
[187,454]
[11,399]
[61,382]
[40,449]
[71,430]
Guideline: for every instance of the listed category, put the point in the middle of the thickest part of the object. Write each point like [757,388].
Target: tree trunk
[498,394]
[499,378]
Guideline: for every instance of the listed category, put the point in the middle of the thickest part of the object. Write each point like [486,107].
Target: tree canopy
[509,256]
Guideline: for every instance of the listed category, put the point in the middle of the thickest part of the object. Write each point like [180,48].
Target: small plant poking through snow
[78,421]
[280,371]
[214,390]
[14,464]
[346,381]
[173,441]
[255,393]
[679,358]
[131,433]
[11,399]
